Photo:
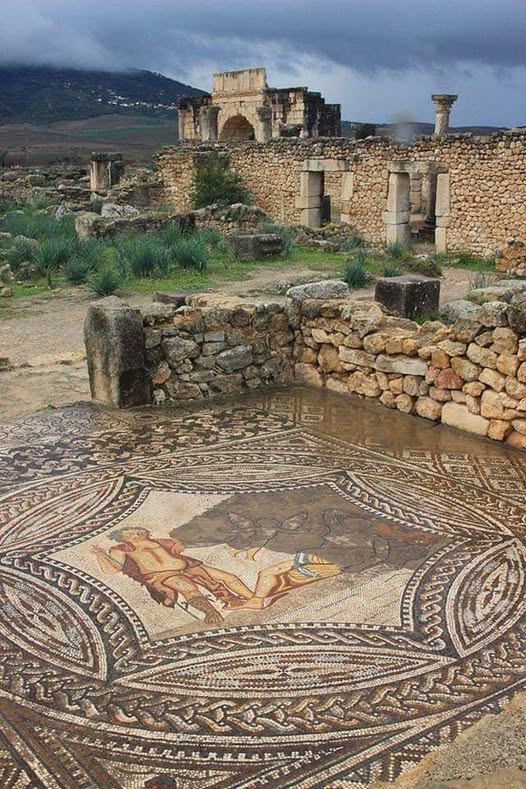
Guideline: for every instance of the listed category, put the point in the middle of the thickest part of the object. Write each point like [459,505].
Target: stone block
[428,408]
[441,240]
[256,245]
[398,234]
[311,217]
[395,217]
[398,193]
[347,186]
[308,201]
[400,364]
[325,290]
[311,184]
[409,295]
[442,207]
[457,415]
[175,297]
[114,339]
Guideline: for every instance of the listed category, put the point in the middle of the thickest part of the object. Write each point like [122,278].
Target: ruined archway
[237,128]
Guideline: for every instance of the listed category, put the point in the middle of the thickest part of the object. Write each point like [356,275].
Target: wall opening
[237,128]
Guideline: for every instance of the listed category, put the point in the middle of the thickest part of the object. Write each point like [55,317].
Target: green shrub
[141,255]
[53,253]
[77,270]
[37,226]
[356,274]
[212,238]
[191,252]
[391,270]
[173,233]
[286,233]
[354,242]
[467,260]
[22,251]
[105,281]
[399,251]
[215,182]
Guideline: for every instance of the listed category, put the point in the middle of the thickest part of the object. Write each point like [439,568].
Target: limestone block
[400,364]
[308,201]
[441,240]
[440,359]
[397,234]
[356,357]
[452,348]
[481,356]
[256,245]
[460,309]
[308,374]
[235,358]
[517,440]
[176,349]
[398,192]
[457,415]
[507,364]
[395,217]
[493,379]
[428,408]
[114,339]
[404,403]
[499,429]
[504,340]
[388,399]
[337,385]
[442,206]
[411,385]
[329,359]
[324,290]
[347,186]
[440,395]
[311,184]
[515,388]
[520,426]
[497,405]
[493,313]
[311,217]
[408,295]
[448,379]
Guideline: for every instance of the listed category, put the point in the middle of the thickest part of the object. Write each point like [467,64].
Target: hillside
[44,95]
[414,128]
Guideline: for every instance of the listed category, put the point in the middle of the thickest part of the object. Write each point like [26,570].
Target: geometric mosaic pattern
[280,592]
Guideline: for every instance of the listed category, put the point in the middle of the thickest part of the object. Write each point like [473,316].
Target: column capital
[444,101]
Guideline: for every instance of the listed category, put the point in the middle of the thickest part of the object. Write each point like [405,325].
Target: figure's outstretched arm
[110,562]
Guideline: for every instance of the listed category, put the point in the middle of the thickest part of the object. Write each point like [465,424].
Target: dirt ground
[43,338]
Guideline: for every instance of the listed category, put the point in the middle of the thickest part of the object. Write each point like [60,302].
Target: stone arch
[237,127]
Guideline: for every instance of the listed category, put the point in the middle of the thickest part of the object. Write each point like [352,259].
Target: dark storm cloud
[364,35]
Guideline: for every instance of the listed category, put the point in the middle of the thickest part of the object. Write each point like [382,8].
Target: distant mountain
[413,129]
[42,95]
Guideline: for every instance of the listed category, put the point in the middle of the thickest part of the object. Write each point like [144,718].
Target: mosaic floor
[292,590]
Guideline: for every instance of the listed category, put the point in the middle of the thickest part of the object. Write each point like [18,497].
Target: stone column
[208,121]
[264,125]
[106,170]
[114,339]
[396,218]
[443,103]
[180,124]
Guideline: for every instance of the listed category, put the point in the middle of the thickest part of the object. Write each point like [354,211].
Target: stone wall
[482,199]
[195,353]
[470,375]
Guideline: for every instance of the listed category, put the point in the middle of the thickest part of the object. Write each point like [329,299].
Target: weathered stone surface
[461,309]
[448,379]
[400,364]
[508,364]
[329,359]
[235,358]
[493,313]
[404,403]
[481,356]
[458,415]
[114,339]
[428,408]
[324,290]
[176,349]
[356,357]
[517,313]
[511,257]
[308,374]
[468,371]
[452,348]
[409,295]
[252,246]
[498,405]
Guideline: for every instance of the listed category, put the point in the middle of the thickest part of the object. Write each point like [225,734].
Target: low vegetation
[45,254]
[215,182]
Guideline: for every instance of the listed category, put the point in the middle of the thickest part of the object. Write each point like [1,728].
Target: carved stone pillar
[180,124]
[264,125]
[208,119]
[443,103]
[106,170]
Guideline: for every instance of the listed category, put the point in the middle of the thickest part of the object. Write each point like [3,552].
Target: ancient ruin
[243,107]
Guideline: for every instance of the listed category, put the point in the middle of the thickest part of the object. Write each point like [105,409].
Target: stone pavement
[291,589]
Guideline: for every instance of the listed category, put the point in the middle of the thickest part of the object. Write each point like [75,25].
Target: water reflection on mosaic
[288,590]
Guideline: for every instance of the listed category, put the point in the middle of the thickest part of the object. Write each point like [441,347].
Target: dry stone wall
[194,353]
[484,178]
[470,375]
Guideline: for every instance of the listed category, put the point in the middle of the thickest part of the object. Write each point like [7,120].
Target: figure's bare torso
[150,557]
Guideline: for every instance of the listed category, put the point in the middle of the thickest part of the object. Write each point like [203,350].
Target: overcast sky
[380,59]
